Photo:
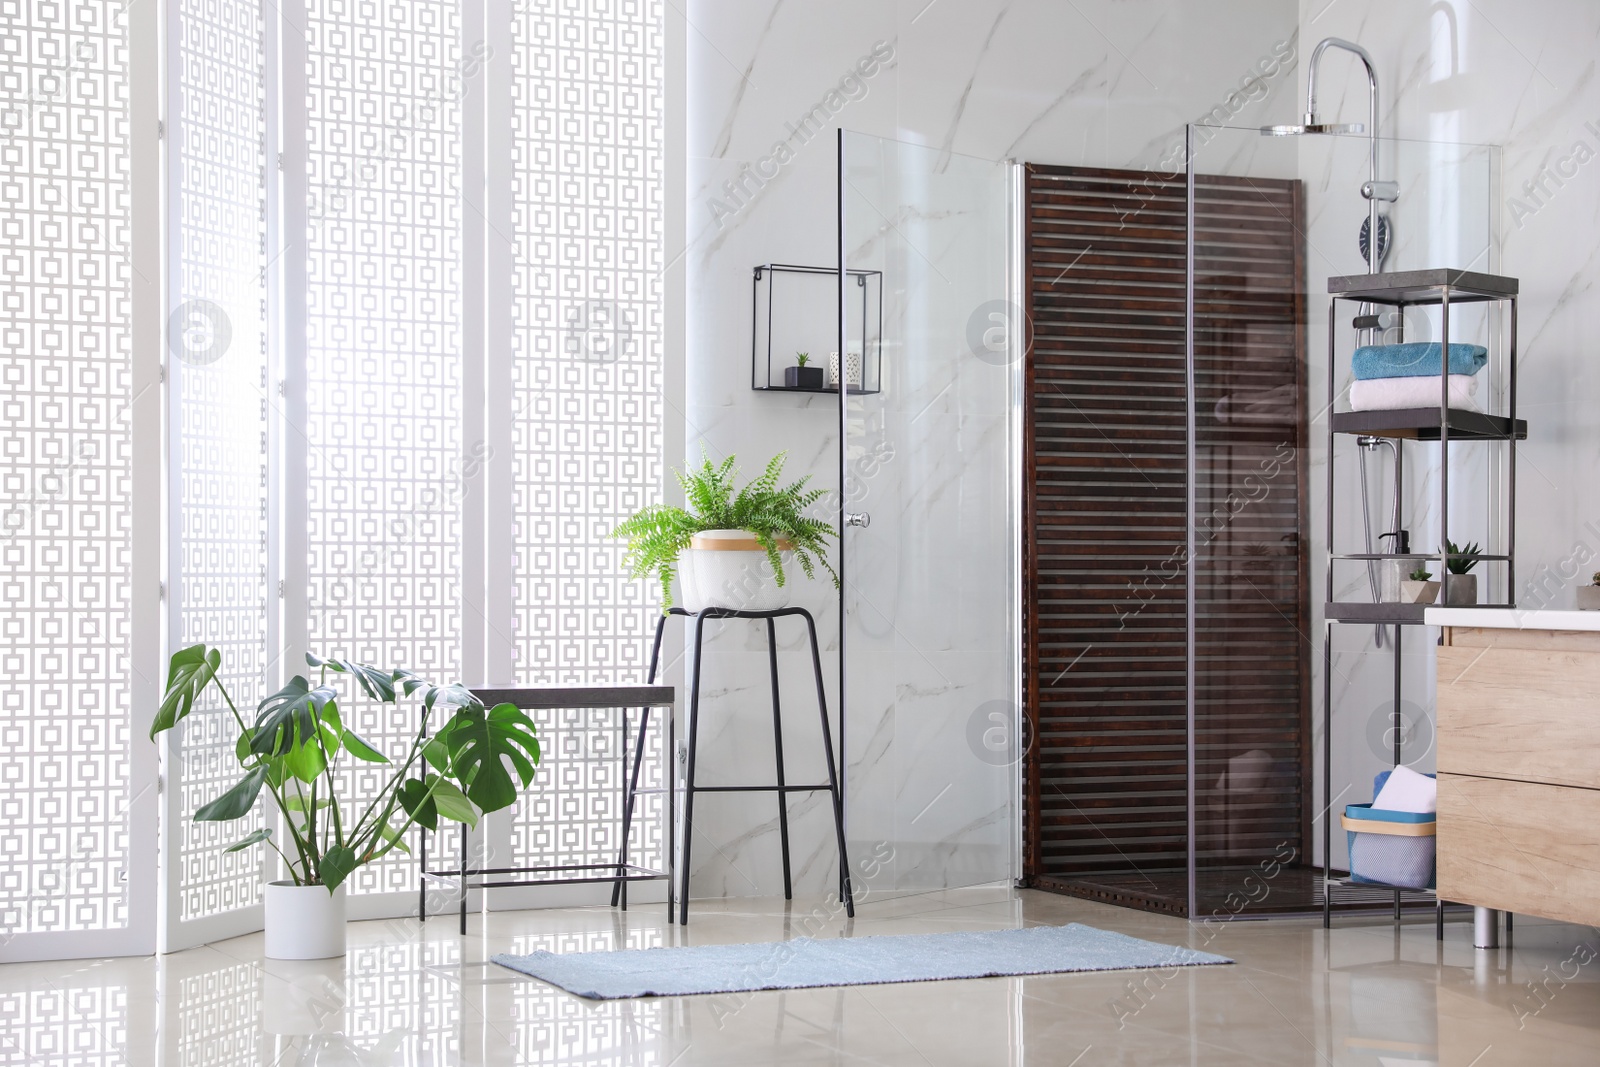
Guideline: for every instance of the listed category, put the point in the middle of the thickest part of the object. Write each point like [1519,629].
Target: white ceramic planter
[1587,598]
[1463,591]
[729,569]
[1412,592]
[304,922]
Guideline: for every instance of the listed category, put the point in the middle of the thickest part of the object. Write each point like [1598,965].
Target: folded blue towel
[1413,359]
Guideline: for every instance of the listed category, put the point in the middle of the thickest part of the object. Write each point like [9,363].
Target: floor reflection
[424,997]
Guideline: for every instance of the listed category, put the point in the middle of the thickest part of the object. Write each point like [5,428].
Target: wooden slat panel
[1105,518]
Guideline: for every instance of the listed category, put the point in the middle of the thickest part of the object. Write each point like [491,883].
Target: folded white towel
[1388,394]
[1406,790]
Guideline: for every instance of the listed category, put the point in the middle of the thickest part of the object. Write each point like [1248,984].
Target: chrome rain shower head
[1312,126]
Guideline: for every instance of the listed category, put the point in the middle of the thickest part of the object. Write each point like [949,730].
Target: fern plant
[773,513]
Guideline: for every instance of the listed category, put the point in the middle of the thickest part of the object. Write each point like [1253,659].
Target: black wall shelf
[795,308]
[1422,424]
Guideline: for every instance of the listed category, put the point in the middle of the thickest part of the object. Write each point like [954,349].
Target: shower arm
[1373,190]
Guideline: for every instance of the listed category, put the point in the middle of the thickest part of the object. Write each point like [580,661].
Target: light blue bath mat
[805,963]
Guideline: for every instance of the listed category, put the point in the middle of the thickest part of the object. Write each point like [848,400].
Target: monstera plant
[293,749]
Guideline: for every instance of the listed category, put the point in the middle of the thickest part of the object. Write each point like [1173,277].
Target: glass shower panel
[930,600]
[1445,217]
[1259,330]
[1249,683]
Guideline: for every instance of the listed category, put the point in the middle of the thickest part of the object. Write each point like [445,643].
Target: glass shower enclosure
[928,516]
[1176,386]
[1222,667]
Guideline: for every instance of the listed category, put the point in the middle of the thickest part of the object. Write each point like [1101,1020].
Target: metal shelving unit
[1442,287]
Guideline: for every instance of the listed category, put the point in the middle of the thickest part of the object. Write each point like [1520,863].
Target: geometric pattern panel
[587,395]
[546,1027]
[572,813]
[219,1015]
[66,1025]
[218,341]
[65,568]
[383,83]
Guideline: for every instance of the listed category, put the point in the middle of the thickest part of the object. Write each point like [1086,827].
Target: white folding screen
[469,266]
[383,359]
[365,454]
[587,152]
[77,778]
[218,416]
[587,220]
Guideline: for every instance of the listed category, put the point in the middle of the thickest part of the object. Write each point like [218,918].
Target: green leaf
[357,747]
[451,802]
[379,685]
[188,674]
[277,773]
[414,797]
[306,762]
[337,864]
[296,802]
[330,717]
[437,754]
[410,681]
[391,835]
[449,696]
[481,743]
[288,718]
[236,802]
[255,837]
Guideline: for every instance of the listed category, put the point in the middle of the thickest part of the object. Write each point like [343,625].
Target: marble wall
[1093,83]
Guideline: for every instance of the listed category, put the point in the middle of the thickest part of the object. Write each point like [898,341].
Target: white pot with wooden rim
[730,569]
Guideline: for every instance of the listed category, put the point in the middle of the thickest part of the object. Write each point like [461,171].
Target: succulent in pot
[293,751]
[1587,597]
[802,375]
[1419,588]
[732,549]
[1461,590]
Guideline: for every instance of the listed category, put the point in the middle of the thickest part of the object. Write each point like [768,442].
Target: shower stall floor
[1227,891]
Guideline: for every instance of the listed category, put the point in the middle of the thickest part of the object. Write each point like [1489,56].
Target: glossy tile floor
[1361,994]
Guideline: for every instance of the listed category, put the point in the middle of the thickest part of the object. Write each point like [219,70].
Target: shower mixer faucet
[1375,237]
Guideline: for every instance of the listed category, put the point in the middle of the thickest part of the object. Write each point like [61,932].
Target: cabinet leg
[1485,928]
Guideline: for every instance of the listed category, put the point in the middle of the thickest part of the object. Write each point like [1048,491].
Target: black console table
[621,699]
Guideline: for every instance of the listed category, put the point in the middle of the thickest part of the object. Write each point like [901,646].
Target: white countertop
[1513,618]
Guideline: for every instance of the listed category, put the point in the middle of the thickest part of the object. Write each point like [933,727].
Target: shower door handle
[857,518]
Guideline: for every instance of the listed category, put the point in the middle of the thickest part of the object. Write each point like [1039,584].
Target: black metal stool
[783,789]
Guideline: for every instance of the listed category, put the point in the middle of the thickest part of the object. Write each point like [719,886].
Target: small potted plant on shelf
[731,547]
[802,375]
[1588,596]
[293,751]
[1420,588]
[1463,587]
